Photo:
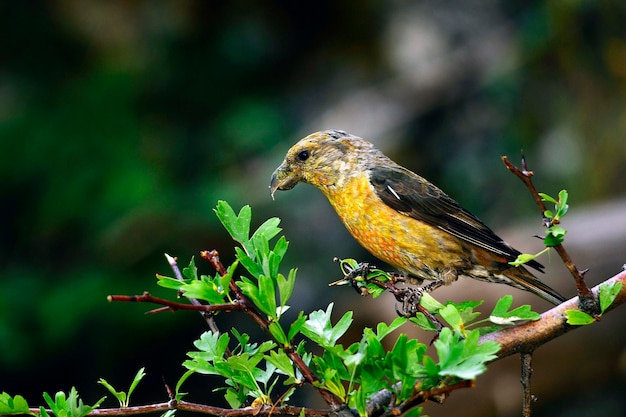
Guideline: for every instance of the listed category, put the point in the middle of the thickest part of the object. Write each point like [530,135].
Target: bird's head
[323,159]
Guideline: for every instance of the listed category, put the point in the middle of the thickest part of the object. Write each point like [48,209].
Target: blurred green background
[123,122]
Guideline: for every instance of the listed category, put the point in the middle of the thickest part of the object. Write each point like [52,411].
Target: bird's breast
[401,241]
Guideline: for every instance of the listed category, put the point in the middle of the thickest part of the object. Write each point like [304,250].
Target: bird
[400,217]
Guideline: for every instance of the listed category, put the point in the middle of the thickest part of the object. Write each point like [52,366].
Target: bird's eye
[303,155]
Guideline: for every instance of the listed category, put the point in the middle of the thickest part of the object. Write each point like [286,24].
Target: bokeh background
[123,122]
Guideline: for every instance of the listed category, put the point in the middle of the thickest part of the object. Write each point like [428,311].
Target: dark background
[123,122]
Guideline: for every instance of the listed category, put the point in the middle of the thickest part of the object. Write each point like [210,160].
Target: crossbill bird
[400,217]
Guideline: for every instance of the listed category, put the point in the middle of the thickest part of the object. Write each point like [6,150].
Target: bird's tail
[520,277]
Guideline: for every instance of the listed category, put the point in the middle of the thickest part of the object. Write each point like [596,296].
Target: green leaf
[463,358]
[578,318]
[286,285]
[522,258]
[179,395]
[282,362]
[13,405]
[254,268]
[319,328]
[423,322]
[191,271]
[502,315]
[278,333]
[563,206]
[296,326]
[212,289]
[211,345]
[466,310]
[546,197]
[383,330]
[451,315]
[70,405]
[237,225]
[233,399]
[138,377]
[250,290]
[556,231]
[608,293]
[267,296]
[552,240]
[119,395]
[268,230]
[169,283]
[429,303]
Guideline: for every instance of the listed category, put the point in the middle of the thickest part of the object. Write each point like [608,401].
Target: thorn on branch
[525,169]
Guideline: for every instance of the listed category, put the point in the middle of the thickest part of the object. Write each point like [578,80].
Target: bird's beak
[283,179]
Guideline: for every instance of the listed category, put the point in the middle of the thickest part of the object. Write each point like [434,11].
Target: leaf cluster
[253,370]
[309,350]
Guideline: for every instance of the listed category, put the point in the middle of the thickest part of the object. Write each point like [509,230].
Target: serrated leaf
[267,296]
[13,405]
[232,397]
[282,362]
[451,315]
[502,315]
[207,289]
[138,377]
[278,333]
[382,329]
[269,229]
[169,283]
[286,285]
[248,263]
[423,322]
[191,271]
[578,318]
[463,358]
[237,225]
[119,395]
[429,303]
[318,327]
[296,326]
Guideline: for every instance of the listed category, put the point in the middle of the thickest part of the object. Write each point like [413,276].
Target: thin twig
[210,320]
[204,409]
[168,305]
[588,302]
[527,371]
[331,399]
[437,394]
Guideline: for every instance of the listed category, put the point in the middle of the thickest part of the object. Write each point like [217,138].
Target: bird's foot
[355,274]
[409,299]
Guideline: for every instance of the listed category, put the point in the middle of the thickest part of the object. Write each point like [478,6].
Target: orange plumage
[400,217]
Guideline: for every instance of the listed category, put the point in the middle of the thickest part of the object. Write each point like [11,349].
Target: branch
[265,410]
[436,394]
[588,302]
[331,399]
[527,371]
[527,337]
[168,305]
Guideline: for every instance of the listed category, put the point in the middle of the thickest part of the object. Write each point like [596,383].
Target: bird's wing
[415,197]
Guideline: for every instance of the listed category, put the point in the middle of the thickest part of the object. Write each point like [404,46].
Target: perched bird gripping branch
[400,217]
